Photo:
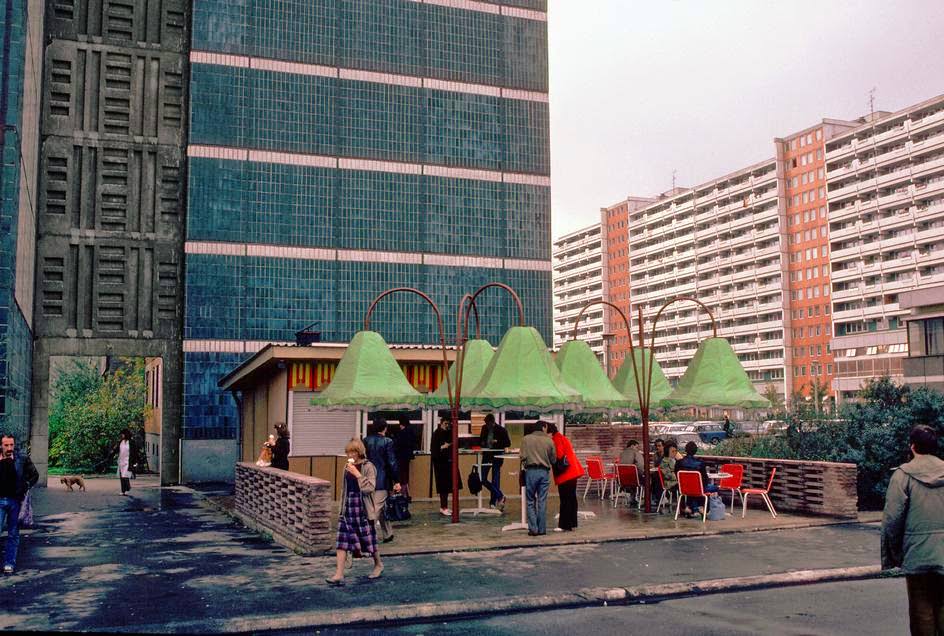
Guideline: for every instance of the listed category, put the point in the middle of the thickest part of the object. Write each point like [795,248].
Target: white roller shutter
[316,431]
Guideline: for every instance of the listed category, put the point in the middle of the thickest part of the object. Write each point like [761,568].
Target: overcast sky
[640,88]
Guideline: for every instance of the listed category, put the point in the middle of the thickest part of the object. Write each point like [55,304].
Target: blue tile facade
[237,201]
[15,337]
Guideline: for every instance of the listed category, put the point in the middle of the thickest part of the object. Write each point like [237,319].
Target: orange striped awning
[313,376]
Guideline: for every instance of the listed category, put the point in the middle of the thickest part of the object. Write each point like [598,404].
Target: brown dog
[73,481]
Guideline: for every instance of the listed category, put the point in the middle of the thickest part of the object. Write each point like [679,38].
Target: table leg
[480,510]
[523,525]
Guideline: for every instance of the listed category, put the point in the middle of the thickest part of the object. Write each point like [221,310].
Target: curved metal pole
[466,306]
[442,337]
[647,380]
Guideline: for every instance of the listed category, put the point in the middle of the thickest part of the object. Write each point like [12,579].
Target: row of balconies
[909,127]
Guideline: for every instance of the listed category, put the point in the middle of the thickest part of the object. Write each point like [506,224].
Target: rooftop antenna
[673,180]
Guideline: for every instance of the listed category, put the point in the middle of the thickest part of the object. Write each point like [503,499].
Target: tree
[89,411]
[776,402]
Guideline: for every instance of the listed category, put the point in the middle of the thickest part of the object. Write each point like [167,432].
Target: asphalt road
[860,608]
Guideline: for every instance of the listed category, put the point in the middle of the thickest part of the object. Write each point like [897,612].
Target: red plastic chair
[596,473]
[690,486]
[734,482]
[763,492]
[627,478]
[667,495]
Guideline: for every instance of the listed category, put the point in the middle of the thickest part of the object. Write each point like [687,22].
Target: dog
[73,481]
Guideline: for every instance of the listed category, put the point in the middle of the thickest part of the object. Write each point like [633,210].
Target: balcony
[927,122]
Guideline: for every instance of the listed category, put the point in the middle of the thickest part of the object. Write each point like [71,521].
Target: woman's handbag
[716,509]
[561,465]
[475,482]
[397,507]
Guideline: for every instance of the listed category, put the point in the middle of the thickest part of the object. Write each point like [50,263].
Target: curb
[455,610]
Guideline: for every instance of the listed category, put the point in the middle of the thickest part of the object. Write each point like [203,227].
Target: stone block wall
[295,509]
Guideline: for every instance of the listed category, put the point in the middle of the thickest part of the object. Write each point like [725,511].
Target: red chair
[596,473]
[732,483]
[627,479]
[690,486]
[667,495]
[763,492]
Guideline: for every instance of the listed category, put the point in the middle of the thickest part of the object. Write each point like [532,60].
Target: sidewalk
[163,560]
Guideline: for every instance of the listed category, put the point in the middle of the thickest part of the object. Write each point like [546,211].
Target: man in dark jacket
[380,453]
[404,445]
[494,440]
[17,475]
[913,531]
[690,462]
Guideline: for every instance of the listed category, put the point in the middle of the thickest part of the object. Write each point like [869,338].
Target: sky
[642,88]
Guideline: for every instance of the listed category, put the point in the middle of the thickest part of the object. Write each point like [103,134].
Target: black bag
[561,465]
[397,507]
[475,482]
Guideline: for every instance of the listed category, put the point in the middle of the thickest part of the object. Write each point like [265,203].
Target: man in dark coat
[913,531]
[380,453]
[17,476]
[404,445]
[494,440]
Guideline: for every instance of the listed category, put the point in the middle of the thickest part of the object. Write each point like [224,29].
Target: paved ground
[162,560]
[878,607]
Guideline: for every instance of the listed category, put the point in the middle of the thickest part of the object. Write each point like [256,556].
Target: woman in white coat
[124,461]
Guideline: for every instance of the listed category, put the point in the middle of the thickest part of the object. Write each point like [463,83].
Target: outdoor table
[480,509]
[523,524]
[719,475]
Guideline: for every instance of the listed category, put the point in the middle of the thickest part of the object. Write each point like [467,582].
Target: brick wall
[295,509]
[821,488]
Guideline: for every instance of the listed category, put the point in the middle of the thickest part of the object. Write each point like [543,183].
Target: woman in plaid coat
[357,534]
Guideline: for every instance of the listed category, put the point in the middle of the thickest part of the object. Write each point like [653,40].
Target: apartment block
[721,243]
[885,187]
[801,159]
[578,280]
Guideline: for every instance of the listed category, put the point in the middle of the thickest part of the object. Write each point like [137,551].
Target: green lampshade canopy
[625,380]
[522,376]
[475,358]
[581,369]
[715,377]
[369,378]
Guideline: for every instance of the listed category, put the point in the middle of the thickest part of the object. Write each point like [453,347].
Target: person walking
[441,455]
[566,481]
[404,445]
[537,457]
[357,535]
[282,447]
[17,476]
[493,439]
[124,460]
[913,531]
[380,454]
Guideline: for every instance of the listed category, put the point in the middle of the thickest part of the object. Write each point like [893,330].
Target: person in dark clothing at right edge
[913,531]
[494,440]
[282,446]
[690,462]
[17,476]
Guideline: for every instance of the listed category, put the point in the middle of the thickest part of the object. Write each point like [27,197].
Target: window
[819,134]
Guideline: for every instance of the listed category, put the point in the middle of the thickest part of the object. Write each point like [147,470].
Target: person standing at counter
[538,455]
[494,440]
[441,454]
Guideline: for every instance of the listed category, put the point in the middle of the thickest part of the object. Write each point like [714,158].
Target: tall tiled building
[885,183]
[578,280]
[341,147]
[808,324]
[19,106]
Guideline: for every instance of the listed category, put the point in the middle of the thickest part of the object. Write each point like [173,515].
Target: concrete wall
[207,460]
[109,252]
[296,510]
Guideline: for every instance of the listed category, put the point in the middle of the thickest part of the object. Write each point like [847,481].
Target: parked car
[684,438]
[712,433]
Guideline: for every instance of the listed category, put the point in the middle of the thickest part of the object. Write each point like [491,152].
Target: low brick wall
[821,488]
[295,509]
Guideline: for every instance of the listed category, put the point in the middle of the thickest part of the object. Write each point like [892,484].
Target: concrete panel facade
[111,197]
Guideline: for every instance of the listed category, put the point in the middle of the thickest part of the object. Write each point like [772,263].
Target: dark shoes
[388,539]
[335,582]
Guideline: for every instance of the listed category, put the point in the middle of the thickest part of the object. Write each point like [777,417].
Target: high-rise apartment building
[20,54]
[578,280]
[342,147]
[719,242]
[614,224]
[885,183]
[808,324]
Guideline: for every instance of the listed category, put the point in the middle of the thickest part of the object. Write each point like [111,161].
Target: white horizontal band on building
[345,163]
[362,256]
[495,9]
[393,79]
